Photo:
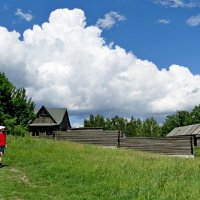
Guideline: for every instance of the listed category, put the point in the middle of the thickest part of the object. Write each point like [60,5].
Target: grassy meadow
[46,169]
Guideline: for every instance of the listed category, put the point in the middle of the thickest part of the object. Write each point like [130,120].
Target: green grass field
[47,169]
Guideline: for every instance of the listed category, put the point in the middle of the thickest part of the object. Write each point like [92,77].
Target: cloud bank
[65,63]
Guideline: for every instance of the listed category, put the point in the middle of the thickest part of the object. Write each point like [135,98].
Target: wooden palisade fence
[98,137]
[164,145]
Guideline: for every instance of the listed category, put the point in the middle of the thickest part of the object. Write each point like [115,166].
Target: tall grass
[47,169]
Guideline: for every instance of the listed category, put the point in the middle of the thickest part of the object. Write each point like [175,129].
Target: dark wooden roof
[50,117]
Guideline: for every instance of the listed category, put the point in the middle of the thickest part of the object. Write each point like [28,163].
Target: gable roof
[185,130]
[57,115]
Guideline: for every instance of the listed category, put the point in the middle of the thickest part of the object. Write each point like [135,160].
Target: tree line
[148,127]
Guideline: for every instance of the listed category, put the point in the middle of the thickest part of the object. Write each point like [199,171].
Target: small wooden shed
[48,120]
[190,130]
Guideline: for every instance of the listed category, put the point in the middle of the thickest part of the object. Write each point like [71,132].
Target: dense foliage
[147,128]
[16,110]
[132,127]
[181,118]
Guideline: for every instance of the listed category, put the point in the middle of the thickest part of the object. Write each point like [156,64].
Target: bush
[13,129]
[20,130]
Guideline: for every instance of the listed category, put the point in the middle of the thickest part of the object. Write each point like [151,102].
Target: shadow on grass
[4,166]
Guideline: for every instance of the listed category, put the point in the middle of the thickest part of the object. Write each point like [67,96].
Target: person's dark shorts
[2,149]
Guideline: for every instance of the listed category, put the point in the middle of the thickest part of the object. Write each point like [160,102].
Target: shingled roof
[185,130]
[57,116]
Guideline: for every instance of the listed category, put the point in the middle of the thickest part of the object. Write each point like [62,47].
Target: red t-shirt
[2,139]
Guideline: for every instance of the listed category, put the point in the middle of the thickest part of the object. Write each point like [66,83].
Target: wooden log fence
[104,138]
[165,145]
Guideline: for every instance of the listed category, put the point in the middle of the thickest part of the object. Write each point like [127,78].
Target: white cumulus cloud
[65,63]
[25,16]
[110,19]
[193,20]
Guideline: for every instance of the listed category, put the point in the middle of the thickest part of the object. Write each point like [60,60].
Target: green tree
[131,127]
[22,106]
[108,124]
[184,118]
[118,123]
[151,128]
[115,123]
[180,118]
[95,121]
[195,115]
[15,108]
[6,89]
[139,129]
[89,122]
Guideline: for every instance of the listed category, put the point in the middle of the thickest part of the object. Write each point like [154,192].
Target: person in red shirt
[2,143]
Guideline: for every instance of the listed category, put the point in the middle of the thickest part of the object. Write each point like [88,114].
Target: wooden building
[48,120]
[190,130]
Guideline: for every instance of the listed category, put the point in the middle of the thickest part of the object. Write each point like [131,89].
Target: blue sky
[161,35]
[175,42]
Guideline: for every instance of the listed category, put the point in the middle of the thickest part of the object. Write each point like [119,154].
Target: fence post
[118,139]
[122,134]
[192,147]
